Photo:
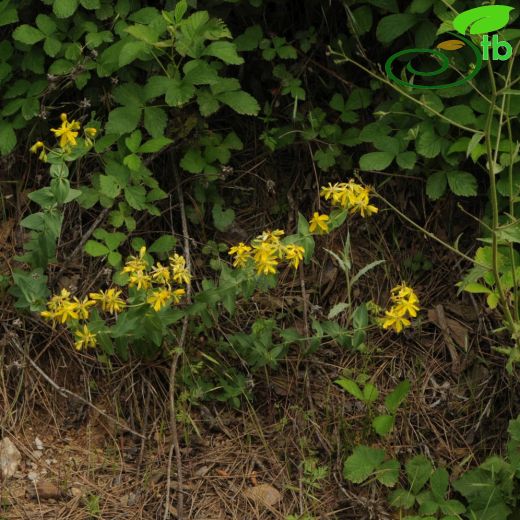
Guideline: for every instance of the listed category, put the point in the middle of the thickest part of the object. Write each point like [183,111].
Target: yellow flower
[395,321]
[136,264]
[140,279]
[67,132]
[58,299]
[85,338]
[110,300]
[242,253]
[82,307]
[271,236]
[406,307]
[265,258]
[319,222]
[177,261]
[36,146]
[177,294]
[161,274]
[294,254]
[67,311]
[158,298]
[351,196]
[90,132]
[181,275]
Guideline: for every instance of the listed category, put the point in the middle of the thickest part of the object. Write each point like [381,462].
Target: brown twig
[64,391]
[173,372]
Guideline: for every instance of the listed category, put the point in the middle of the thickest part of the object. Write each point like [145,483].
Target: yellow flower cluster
[405,305]
[267,251]
[351,196]
[158,279]
[64,308]
[66,135]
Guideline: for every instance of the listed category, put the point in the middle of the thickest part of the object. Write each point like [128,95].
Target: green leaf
[250,39]
[418,471]
[222,218]
[351,387]
[154,145]
[401,498]
[193,161]
[241,102]
[123,120]
[7,138]
[28,34]
[383,424]
[51,46]
[225,51]
[436,185]
[439,481]
[392,26]
[461,183]
[362,463]
[64,8]
[462,114]
[428,144]
[46,24]
[136,197]
[394,399]
[370,393]
[109,186]
[155,121]
[406,160]
[376,161]
[163,244]
[132,51]
[388,473]
[481,20]
[179,92]
[94,248]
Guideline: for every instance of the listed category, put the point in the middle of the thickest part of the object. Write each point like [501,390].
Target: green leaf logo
[483,20]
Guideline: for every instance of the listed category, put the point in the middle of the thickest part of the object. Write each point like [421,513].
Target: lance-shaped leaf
[451,45]
[483,19]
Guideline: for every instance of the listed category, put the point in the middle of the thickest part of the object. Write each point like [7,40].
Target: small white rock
[38,443]
[37,454]
[32,475]
[9,458]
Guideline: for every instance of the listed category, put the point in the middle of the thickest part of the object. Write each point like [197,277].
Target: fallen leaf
[46,489]
[263,494]
[451,45]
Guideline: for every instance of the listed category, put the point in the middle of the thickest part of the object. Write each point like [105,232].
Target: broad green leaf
[179,92]
[241,102]
[7,138]
[461,183]
[46,24]
[439,481]
[94,248]
[351,387]
[392,26]
[436,185]
[225,51]
[163,244]
[64,8]
[376,161]
[222,218]
[155,121]
[461,114]
[481,20]
[418,471]
[428,144]
[155,144]
[132,51]
[193,161]
[394,399]
[123,120]
[28,34]
[362,463]
[406,160]
[402,498]
[136,197]
[388,473]
[370,392]
[383,424]
[250,39]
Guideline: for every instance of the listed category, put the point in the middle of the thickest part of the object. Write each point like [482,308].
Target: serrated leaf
[64,8]
[394,399]
[418,471]
[462,183]
[7,138]
[193,161]
[222,218]
[155,121]
[439,482]
[179,92]
[388,473]
[123,120]
[155,144]
[225,51]
[376,161]
[241,102]
[383,424]
[436,185]
[362,463]
[95,248]
[481,20]
[163,244]
[392,26]
[28,34]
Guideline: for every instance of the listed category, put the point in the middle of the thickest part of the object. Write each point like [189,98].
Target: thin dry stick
[173,372]
[63,391]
